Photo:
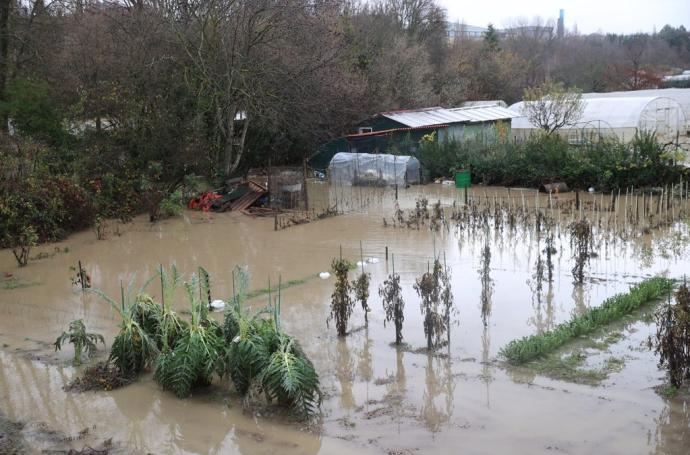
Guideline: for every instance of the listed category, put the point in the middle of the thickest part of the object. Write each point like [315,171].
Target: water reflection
[136,404]
[344,372]
[364,366]
[673,427]
[439,391]
[544,315]
[579,295]
[486,362]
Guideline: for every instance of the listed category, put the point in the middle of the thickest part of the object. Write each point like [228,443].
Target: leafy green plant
[260,354]
[290,377]
[173,204]
[250,348]
[169,325]
[248,338]
[134,348]
[196,355]
[535,346]
[83,341]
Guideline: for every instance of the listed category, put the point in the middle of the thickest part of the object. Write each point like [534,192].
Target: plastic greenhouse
[373,170]
[618,116]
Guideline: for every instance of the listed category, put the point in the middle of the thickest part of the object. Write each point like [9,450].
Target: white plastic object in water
[324,275]
[217,305]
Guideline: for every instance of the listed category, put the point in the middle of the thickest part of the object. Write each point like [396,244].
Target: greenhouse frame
[365,169]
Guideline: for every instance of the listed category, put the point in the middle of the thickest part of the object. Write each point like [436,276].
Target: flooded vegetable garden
[442,297]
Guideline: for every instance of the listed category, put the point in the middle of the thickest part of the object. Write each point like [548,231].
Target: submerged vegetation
[433,287]
[249,348]
[535,346]
[196,353]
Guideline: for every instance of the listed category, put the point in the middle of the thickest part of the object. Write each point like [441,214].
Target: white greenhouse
[373,170]
[619,116]
[682,95]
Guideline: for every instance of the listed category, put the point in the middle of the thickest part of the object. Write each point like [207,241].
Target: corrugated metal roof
[485,113]
[394,130]
[438,115]
[484,103]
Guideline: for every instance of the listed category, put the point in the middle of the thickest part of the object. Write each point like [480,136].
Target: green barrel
[463,179]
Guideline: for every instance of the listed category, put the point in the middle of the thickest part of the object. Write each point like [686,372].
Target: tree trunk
[5,6]
[229,139]
[239,149]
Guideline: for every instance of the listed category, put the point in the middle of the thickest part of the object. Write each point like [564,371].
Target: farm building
[399,132]
[619,117]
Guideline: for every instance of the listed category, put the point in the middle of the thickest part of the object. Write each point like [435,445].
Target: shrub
[605,164]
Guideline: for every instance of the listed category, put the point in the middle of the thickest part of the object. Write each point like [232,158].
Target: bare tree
[551,106]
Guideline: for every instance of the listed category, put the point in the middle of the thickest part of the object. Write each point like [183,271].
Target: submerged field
[594,395]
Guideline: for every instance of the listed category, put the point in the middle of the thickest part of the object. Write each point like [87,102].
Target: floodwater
[378,399]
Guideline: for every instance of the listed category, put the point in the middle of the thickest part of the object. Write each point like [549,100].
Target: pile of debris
[240,197]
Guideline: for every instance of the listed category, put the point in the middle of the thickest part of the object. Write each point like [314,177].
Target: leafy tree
[551,106]
[491,39]
[35,111]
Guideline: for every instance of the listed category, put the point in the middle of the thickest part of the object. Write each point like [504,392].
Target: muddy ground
[599,395]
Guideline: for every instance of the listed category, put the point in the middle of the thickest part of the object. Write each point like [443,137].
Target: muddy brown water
[377,399]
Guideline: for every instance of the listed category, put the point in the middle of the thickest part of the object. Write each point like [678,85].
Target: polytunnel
[617,116]
[373,170]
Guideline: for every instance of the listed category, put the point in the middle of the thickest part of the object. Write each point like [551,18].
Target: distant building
[457,30]
[533,31]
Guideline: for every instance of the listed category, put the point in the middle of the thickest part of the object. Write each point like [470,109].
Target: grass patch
[15,283]
[283,286]
[532,347]
[570,368]
[667,390]
[288,284]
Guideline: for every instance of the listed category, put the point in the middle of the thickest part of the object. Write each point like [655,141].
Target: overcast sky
[616,16]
